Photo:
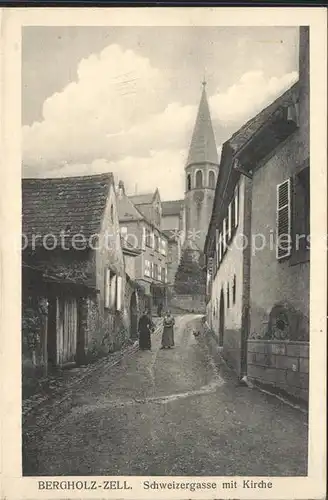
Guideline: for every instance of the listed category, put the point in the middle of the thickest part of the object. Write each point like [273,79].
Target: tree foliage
[190,277]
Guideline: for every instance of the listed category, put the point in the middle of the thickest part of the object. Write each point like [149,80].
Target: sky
[125,99]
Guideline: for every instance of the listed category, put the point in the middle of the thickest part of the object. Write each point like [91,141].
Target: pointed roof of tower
[202,147]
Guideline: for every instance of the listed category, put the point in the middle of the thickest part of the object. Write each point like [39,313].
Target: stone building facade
[264,330]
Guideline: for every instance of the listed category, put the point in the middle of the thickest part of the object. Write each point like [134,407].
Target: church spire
[202,147]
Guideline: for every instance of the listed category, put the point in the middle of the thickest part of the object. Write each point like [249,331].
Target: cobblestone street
[168,412]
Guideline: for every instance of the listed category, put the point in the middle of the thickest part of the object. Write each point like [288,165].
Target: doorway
[133,316]
[221,319]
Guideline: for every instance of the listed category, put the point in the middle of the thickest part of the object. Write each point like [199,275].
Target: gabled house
[149,204]
[140,226]
[70,230]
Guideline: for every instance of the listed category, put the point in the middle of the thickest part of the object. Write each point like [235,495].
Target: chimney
[121,190]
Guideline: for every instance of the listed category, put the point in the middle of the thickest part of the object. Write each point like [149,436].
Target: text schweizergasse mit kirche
[152,485]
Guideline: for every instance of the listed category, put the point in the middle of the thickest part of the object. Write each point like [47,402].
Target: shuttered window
[113,290]
[220,247]
[236,207]
[119,292]
[229,224]
[224,235]
[217,260]
[283,242]
[107,288]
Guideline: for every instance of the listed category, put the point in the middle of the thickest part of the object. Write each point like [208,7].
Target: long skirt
[144,339]
[168,336]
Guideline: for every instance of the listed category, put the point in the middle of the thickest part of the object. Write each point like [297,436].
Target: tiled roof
[142,199]
[172,207]
[70,204]
[202,147]
[126,210]
[247,131]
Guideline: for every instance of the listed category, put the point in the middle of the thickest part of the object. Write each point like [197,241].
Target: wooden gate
[67,325]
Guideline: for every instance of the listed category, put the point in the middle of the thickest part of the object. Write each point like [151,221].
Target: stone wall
[281,365]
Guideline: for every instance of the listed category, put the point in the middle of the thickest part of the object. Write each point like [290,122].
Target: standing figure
[159,309]
[145,328]
[168,333]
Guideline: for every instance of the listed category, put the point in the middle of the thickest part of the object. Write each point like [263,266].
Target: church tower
[201,173]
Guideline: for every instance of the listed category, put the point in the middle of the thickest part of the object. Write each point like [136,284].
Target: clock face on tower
[198,196]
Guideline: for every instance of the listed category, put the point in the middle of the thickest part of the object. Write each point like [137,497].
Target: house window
[235,209]
[163,246]
[147,268]
[112,213]
[113,290]
[156,242]
[163,274]
[107,288]
[119,293]
[149,238]
[155,271]
[301,217]
[229,224]
[188,182]
[228,296]
[112,286]
[234,290]
[225,232]
[211,179]
[199,179]
[220,247]
[283,230]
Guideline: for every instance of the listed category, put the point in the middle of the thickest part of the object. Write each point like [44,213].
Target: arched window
[211,179]
[199,179]
[188,182]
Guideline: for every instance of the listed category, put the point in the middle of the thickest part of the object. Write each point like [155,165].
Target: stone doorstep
[32,403]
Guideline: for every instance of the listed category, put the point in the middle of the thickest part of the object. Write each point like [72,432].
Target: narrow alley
[170,412]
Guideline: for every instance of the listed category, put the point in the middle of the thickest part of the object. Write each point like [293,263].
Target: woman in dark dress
[145,328]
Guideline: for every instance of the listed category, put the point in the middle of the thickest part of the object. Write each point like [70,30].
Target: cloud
[249,96]
[118,117]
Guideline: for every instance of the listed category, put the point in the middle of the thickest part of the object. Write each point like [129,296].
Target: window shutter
[229,223]
[220,247]
[107,287]
[224,235]
[113,290]
[236,206]
[283,247]
[119,293]
[217,248]
[143,243]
